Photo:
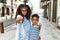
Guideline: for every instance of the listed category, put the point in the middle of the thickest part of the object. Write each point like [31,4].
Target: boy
[35,27]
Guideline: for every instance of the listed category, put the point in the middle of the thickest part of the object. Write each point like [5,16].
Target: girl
[23,25]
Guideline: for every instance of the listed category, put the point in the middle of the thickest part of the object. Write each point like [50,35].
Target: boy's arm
[39,38]
[39,26]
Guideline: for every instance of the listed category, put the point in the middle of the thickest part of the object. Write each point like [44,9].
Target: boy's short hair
[35,15]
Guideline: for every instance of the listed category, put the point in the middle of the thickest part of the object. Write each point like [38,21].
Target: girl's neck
[24,18]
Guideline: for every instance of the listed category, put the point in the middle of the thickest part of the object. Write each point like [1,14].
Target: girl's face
[24,11]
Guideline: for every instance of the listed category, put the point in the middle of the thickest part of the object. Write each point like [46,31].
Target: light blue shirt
[34,33]
[23,30]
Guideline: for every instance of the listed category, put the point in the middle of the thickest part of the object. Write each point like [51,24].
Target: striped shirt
[34,33]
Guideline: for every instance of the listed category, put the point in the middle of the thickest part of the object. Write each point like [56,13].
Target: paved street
[48,31]
[9,33]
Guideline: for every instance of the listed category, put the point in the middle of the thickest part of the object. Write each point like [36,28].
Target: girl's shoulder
[27,22]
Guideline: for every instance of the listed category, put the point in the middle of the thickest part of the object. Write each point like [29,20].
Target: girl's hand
[19,19]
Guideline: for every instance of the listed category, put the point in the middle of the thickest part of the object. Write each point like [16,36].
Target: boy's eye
[35,19]
[24,10]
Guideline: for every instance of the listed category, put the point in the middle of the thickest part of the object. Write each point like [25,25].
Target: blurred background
[48,10]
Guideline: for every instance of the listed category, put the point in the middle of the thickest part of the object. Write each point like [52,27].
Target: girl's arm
[19,19]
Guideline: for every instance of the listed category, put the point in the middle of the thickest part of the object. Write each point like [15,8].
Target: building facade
[52,10]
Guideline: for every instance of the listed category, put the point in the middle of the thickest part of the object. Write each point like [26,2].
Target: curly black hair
[18,12]
[35,15]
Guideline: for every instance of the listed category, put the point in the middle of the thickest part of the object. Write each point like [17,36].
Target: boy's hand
[39,26]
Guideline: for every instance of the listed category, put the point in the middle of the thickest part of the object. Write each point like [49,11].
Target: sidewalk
[9,33]
[4,18]
[49,31]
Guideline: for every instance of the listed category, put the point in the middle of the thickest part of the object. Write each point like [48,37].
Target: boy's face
[34,20]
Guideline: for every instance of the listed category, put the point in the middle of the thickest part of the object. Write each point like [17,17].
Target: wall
[1,8]
[58,8]
[58,12]
[36,5]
